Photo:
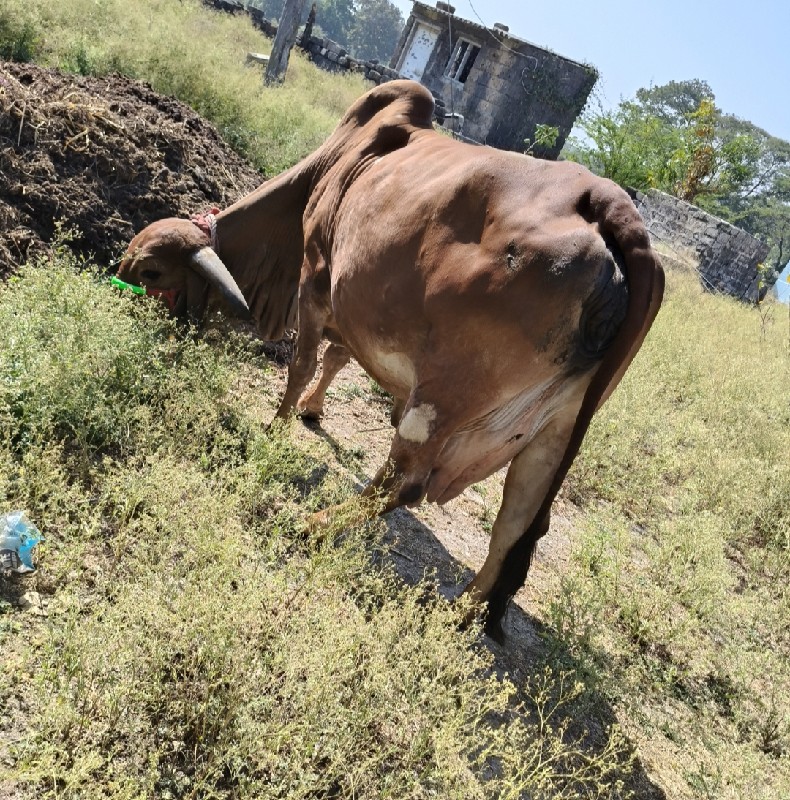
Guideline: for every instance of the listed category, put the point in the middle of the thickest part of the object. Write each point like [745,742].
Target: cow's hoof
[310,414]
[311,531]
[492,623]
[494,629]
[275,425]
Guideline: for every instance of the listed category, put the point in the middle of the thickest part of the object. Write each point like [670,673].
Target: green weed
[19,39]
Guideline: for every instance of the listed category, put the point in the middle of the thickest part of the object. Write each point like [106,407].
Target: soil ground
[105,156]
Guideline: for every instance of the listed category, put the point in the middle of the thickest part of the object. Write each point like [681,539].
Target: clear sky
[742,49]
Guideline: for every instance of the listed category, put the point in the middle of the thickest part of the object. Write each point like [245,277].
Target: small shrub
[98,370]
[19,37]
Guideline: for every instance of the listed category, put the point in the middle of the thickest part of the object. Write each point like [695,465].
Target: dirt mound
[105,156]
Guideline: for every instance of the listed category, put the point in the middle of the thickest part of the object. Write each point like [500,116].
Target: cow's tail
[619,222]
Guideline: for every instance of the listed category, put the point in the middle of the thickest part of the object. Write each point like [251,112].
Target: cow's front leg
[314,312]
[311,405]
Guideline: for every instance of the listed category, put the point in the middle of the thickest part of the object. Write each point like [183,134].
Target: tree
[376,29]
[336,19]
[284,40]
[675,139]
[673,101]
[761,205]
[630,147]
[757,197]
[368,28]
[654,143]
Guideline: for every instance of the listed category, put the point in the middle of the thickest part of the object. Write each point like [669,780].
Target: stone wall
[726,256]
[334,57]
[550,90]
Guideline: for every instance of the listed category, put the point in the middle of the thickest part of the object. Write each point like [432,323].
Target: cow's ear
[196,292]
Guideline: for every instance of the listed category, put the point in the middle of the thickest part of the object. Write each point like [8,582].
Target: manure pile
[104,156]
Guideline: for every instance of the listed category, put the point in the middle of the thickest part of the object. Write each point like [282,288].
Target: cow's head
[172,255]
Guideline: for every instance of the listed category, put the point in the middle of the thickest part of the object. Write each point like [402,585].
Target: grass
[677,597]
[185,50]
[193,643]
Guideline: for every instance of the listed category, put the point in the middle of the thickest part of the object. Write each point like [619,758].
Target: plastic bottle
[18,537]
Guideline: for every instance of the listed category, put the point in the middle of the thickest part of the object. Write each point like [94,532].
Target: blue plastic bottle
[18,537]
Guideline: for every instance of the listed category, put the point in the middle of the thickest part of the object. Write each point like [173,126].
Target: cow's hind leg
[522,519]
[403,479]
[311,405]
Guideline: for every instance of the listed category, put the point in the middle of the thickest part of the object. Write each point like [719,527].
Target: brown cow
[498,297]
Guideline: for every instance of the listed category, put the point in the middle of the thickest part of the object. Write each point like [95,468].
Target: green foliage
[545,138]
[376,28]
[674,101]
[336,19]
[673,138]
[90,365]
[367,28]
[761,203]
[68,371]
[18,37]
[638,149]
[617,147]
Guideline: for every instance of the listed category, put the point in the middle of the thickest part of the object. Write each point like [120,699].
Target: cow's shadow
[529,646]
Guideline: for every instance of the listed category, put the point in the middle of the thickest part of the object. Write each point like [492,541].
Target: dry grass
[678,593]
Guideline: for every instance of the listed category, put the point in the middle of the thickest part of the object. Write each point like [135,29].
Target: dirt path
[356,419]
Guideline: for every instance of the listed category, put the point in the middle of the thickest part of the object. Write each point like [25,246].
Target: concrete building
[496,86]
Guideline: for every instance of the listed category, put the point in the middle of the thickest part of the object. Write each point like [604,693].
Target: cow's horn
[208,264]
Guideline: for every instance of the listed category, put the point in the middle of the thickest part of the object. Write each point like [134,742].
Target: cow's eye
[150,274]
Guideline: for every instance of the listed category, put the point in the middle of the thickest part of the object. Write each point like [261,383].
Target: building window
[461,61]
